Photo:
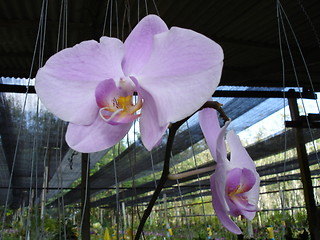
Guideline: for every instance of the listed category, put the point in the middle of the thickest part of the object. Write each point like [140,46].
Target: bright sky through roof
[275,122]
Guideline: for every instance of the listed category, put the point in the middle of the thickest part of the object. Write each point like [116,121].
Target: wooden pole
[311,207]
[85,196]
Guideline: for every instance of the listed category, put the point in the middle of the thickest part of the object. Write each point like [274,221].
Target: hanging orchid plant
[159,76]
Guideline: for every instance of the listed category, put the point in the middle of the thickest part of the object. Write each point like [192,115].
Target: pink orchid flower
[92,85]
[235,183]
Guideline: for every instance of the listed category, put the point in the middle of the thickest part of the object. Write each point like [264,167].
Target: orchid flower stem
[217,106]
[191,173]
[166,165]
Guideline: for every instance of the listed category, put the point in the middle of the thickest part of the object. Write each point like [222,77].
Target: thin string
[181,199]
[42,16]
[105,19]
[36,147]
[118,202]
[315,32]
[47,177]
[63,20]
[110,23]
[117,19]
[138,13]
[146,5]
[198,177]
[41,56]
[128,15]
[59,27]
[86,193]
[153,171]
[66,23]
[31,190]
[297,81]
[156,8]
[57,161]
[60,181]
[117,190]
[43,36]
[123,21]
[300,51]
[284,116]
[62,127]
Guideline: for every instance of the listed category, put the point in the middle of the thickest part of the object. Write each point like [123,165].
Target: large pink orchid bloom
[235,184]
[92,84]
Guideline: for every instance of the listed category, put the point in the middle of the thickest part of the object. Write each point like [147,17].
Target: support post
[85,196]
[311,207]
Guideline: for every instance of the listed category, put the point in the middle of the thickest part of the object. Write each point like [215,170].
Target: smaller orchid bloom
[235,183]
[158,75]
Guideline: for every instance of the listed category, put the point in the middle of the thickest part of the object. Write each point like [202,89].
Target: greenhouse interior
[158,119]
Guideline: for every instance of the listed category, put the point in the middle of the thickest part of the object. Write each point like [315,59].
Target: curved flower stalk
[92,85]
[234,184]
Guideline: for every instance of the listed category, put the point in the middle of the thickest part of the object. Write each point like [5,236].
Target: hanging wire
[198,177]
[181,198]
[57,161]
[45,163]
[105,19]
[138,13]
[65,45]
[153,170]
[63,34]
[315,32]
[299,48]
[86,192]
[284,116]
[155,6]
[41,57]
[43,16]
[117,19]
[32,192]
[117,189]
[36,147]
[118,202]
[59,27]
[60,180]
[128,15]
[123,21]
[296,76]
[146,5]
[110,21]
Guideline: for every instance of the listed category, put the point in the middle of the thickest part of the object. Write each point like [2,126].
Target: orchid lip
[114,114]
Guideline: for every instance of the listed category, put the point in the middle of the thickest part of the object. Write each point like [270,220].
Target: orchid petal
[248,180]
[139,44]
[214,135]
[239,156]
[105,92]
[151,132]
[208,120]
[220,209]
[95,137]
[181,59]
[67,82]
